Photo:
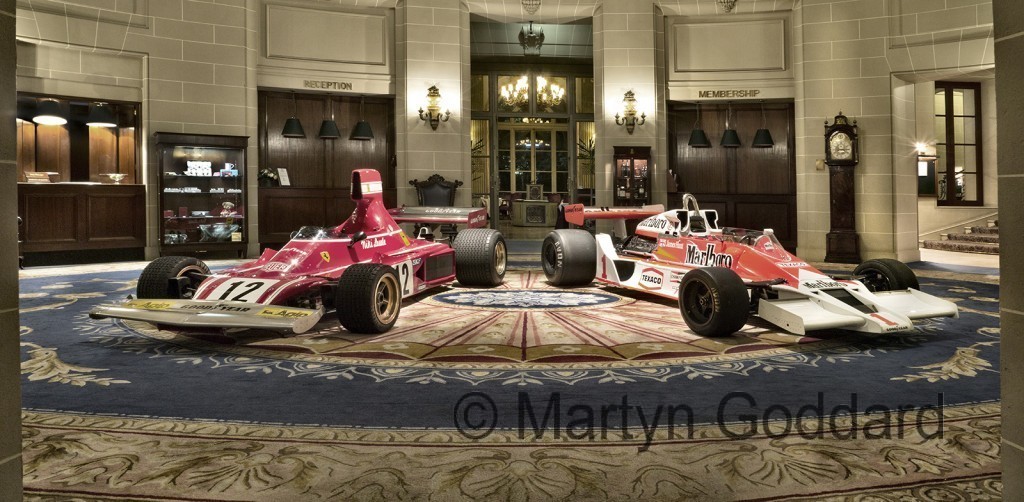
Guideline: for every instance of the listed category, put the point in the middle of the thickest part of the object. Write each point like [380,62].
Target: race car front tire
[155,280]
[481,257]
[886,274]
[713,301]
[569,257]
[368,298]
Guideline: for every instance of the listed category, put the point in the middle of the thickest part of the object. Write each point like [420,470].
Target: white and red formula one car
[722,275]
[361,269]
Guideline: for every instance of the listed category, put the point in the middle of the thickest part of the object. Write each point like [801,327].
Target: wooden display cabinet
[632,175]
[202,193]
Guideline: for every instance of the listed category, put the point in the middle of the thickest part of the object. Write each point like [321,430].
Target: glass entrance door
[533,155]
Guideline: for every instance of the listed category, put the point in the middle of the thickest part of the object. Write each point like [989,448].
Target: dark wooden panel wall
[750,187]
[320,170]
[68,217]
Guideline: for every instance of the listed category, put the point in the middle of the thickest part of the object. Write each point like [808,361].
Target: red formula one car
[721,275]
[361,269]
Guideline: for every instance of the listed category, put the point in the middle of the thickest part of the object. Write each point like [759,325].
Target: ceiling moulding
[134,13]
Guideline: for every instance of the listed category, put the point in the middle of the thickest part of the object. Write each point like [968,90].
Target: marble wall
[10,376]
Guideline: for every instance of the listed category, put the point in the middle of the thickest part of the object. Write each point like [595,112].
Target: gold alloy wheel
[386,298]
[500,258]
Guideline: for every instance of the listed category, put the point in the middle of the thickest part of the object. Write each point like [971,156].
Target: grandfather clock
[841,242]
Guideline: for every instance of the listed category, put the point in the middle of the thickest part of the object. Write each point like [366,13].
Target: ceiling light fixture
[727,5]
[763,137]
[531,6]
[292,126]
[698,138]
[100,115]
[362,130]
[329,128]
[48,112]
[730,139]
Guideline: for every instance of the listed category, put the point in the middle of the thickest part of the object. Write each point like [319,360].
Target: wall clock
[841,142]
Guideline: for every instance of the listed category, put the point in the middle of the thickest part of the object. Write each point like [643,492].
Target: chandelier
[531,6]
[727,5]
[517,94]
[549,96]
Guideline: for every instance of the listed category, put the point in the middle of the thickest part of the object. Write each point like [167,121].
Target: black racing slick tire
[368,298]
[569,257]
[156,280]
[481,257]
[713,301]
[886,274]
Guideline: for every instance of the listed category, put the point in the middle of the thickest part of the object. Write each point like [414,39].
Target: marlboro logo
[707,258]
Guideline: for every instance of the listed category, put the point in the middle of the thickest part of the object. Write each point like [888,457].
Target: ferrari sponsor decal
[706,258]
[889,324]
[276,266]
[372,187]
[148,305]
[791,264]
[375,242]
[283,313]
[651,278]
[443,210]
[405,238]
[821,284]
[325,256]
[480,218]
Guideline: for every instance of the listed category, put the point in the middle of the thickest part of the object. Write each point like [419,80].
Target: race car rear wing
[577,214]
[472,217]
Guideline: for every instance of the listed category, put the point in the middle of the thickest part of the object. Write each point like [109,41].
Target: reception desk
[534,213]
[81,216]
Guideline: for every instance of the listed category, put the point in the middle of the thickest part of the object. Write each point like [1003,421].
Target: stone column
[10,375]
[1009,47]
[624,59]
[432,48]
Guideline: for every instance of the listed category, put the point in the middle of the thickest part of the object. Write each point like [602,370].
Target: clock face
[841,146]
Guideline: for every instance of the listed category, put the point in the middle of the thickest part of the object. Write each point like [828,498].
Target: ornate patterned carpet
[523,392]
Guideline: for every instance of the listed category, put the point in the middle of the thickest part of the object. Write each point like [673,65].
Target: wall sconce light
[698,138]
[292,126]
[730,139]
[531,41]
[763,137]
[100,115]
[49,113]
[329,128]
[433,114]
[628,117]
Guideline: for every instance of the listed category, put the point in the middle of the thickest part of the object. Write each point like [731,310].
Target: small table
[534,213]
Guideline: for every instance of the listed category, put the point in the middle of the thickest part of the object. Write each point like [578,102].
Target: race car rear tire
[368,298]
[569,257]
[713,301]
[481,257]
[886,274]
[155,280]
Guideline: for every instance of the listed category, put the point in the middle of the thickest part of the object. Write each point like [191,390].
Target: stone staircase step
[984,230]
[992,238]
[963,246]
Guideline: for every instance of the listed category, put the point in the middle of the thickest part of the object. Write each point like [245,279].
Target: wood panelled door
[750,187]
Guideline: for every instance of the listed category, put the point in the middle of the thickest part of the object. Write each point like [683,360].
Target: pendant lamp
[362,129]
[763,137]
[49,113]
[698,138]
[292,126]
[100,115]
[329,128]
[729,138]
